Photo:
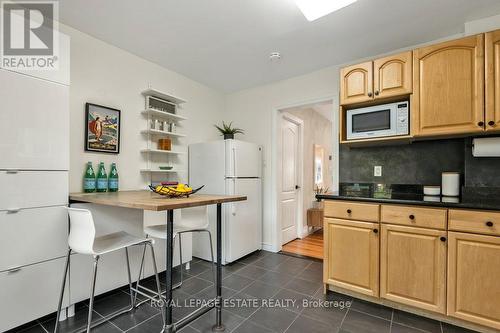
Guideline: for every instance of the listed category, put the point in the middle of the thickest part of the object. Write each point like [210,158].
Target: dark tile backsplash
[418,163]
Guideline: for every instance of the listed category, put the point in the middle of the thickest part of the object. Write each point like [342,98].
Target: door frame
[276,111]
[300,170]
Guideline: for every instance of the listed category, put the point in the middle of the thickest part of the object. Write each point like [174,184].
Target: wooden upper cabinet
[393,75]
[473,278]
[352,255]
[356,83]
[448,88]
[492,57]
[413,267]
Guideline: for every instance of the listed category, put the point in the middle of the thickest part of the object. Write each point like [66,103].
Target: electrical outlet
[377,171]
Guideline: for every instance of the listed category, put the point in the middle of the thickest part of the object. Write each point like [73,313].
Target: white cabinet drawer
[32,235]
[27,189]
[34,123]
[30,293]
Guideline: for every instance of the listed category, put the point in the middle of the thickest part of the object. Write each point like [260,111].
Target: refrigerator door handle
[234,162]
[233,205]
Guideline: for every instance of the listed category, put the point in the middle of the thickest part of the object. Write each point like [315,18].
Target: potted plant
[228,131]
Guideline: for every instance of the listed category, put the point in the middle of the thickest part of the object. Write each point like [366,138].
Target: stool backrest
[194,218]
[81,231]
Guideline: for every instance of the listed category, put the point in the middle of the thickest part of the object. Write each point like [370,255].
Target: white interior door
[289,182]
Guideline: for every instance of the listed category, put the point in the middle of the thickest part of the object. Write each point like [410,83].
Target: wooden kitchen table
[147,200]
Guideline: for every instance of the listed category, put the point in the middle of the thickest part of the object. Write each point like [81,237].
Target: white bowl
[432,190]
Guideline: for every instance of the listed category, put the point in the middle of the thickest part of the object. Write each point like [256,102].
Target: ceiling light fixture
[314,9]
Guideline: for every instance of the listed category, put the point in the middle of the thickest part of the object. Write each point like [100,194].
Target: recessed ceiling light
[275,56]
[314,9]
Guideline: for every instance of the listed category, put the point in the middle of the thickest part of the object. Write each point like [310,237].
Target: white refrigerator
[229,167]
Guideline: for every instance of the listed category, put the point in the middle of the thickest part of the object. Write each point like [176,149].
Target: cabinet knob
[481,124]
[489,224]
[412,217]
[349,211]
[375,231]
[491,123]
[370,94]
[442,239]
[377,92]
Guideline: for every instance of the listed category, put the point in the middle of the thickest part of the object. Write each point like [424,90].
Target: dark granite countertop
[484,198]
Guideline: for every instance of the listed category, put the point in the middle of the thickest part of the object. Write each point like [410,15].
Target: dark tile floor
[263,292]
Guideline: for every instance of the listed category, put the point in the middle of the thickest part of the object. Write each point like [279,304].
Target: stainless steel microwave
[378,121]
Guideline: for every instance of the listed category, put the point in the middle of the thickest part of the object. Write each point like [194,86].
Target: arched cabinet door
[356,83]
[393,75]
[492,120]
[448,88]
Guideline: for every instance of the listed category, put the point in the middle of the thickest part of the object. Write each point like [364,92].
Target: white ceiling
[225,44]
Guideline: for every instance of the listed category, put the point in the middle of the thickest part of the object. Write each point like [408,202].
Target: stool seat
[115,241]
[160,231]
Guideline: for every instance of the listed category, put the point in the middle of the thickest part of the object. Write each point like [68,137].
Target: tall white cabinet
[34,163]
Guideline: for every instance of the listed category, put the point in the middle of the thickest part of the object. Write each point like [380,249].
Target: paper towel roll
[486,147]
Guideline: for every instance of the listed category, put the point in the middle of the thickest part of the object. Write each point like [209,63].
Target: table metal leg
[169,327]
[219,327]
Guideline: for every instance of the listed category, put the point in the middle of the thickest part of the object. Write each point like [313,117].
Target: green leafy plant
[228,129]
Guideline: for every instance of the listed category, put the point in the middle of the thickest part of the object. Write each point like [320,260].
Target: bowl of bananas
[174,191]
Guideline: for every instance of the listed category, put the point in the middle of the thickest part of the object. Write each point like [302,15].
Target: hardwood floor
[310,246]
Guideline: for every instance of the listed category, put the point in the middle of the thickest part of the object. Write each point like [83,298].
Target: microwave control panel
[403,121]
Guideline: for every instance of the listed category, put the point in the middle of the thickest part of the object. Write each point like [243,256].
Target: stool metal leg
[131,290]
[66,267]
[92,292]
[140,273]
[158,286]
[212,255]
[180,262]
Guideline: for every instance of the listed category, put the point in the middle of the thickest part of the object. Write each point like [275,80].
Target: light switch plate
[377,171]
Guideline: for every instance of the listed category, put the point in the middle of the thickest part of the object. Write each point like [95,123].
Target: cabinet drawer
[352,210]
[29,189]
[32,235]
[481,222]
[414,216]
[30,293]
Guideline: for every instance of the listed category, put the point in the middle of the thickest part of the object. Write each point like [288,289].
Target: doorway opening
[305,147]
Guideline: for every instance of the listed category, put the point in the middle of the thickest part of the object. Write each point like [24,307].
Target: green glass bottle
[113,179]
[102,179]
[89,179]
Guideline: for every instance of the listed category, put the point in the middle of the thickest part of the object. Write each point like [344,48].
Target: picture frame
[102,129]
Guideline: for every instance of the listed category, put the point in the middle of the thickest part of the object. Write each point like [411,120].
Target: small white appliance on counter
[229,167]
[378,121]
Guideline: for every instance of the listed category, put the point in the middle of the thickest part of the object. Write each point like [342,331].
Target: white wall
[106,75]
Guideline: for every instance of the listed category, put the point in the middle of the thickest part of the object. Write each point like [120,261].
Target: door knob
[481,124]
[489,224]
[375,231]
[376,92]
[297,187]
[442,239]
[370,94]
[412,217]
[491,123]
[349,211]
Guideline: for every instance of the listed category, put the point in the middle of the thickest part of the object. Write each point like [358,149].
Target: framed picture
[102,129]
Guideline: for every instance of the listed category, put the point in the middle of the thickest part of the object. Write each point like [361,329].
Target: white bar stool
[193,220]
[82,240]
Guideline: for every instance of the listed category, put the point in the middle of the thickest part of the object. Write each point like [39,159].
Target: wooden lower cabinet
[352,255]
[413,267]
[474,278]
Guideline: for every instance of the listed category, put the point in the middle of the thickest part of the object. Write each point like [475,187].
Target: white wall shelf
[164,133]
[164,108]
[163,115]
[159,171]
[159,151]
[162,95]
